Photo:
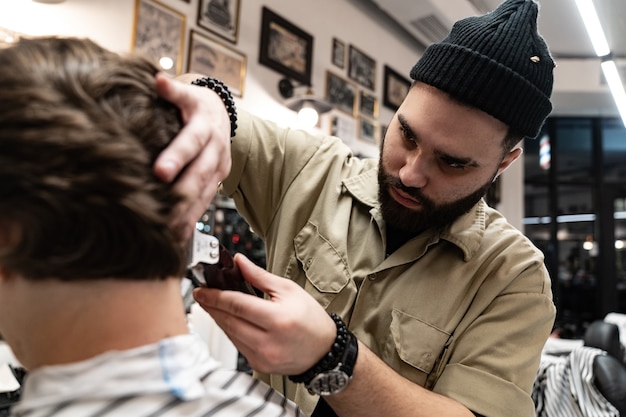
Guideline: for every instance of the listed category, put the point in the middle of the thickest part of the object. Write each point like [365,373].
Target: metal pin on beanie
[496,62]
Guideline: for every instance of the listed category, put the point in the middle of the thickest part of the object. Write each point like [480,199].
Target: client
[90,268]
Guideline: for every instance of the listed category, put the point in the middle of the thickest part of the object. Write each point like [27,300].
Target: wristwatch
[333,372]
[336,380]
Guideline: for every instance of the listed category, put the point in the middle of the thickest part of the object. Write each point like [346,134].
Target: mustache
[415,193]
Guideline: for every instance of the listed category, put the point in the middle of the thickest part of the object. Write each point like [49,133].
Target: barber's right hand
[286,333]
[198,159]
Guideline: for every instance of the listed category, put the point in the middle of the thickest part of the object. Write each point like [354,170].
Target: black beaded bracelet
[331,359]
[222,90]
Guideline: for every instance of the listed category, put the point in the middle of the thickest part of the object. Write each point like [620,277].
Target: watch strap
[336,380]
[350,354]
[332,358]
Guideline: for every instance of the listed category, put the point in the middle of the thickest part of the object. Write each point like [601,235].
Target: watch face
[328,383]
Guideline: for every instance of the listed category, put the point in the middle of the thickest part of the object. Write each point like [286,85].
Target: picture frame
[218,60]
[220,17]
[343,126]
[361,68]
[341,93]
[285,48]
[159,34]
[369,130]
[368,104]
[395,88]
[338,57]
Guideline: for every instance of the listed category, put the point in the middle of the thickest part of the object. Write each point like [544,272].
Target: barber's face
[438,159]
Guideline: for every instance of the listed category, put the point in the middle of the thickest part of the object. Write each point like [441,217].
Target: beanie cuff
[482,82]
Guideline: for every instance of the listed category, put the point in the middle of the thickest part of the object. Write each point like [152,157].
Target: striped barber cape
[175,377]
[564,386]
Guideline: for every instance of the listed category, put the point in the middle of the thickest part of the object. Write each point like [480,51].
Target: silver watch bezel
[322,384]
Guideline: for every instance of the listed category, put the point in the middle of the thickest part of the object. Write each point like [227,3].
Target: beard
[431,215]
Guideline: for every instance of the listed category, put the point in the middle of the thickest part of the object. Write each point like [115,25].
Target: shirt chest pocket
[415,348]
[325,268]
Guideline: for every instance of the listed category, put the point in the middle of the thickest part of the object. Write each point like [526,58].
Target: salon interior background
[584,131]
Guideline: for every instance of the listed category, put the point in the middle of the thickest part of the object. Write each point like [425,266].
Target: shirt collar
[466,232]
[175,365]
[364,187]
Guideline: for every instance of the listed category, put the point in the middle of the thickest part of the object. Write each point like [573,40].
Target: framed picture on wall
[207,56]
[368,130]
[361,68]
[285,48]
[220,17]
[341,93]
[395,88]
[343,126]
[368,104]
[159,34]
[339,53]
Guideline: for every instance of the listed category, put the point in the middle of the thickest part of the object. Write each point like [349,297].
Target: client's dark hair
[80,129]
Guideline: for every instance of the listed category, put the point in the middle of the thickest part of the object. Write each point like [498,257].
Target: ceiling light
[308,106]
[307,115]
[598,39]
[615,85]
[593,26]
[166,62]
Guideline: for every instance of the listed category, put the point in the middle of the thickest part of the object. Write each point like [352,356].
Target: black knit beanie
[498,63]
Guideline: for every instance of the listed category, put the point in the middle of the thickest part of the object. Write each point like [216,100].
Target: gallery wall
[112,23]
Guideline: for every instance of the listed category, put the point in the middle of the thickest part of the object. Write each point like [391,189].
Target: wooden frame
[368,104]
[207,56]
[285,48]
[368,130]
[220,17]
[395,88]
[159,32]
[341,93]
[342,126]
[338,57]
[361,68]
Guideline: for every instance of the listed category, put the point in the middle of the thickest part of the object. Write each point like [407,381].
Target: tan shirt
[464,311]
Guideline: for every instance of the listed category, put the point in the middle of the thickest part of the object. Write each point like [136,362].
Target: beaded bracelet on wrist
[331,359]
[222,90]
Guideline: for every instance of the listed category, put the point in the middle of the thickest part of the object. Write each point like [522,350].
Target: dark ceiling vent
[431,28]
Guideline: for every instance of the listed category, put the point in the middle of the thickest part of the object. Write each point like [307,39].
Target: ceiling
[427,21]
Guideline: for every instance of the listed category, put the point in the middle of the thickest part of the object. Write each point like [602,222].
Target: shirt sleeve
[265,161]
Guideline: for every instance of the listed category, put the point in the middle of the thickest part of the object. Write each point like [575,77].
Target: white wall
[110,23]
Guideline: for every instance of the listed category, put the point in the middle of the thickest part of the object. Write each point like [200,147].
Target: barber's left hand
[199,157]
[286,333]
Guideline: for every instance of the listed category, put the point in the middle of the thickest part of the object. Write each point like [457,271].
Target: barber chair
[609,369]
